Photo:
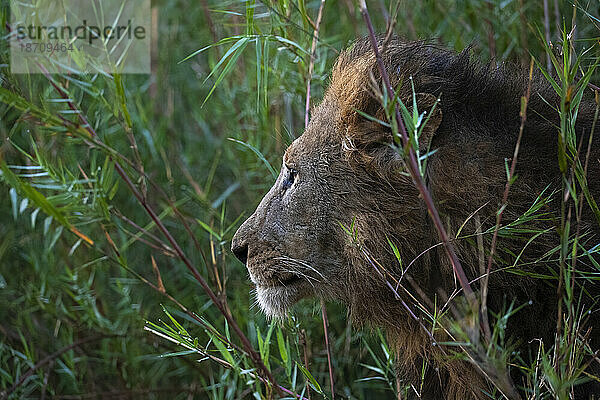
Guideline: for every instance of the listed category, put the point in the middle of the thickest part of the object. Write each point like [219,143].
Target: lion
[344,221]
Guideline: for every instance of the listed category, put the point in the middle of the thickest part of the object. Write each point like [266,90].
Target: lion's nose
[243,236]
[240,250]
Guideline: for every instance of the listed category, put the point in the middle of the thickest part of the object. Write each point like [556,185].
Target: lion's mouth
[277,293]
[290,280]
[284,280]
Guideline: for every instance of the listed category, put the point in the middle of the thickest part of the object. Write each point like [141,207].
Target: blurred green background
[210,132]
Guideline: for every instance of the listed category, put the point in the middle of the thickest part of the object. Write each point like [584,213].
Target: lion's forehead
[317,142]
[299,150]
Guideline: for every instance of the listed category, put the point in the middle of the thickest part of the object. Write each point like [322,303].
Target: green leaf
[396,252]
[49,120]
[47,223]
[259,154]
[32,194]
[267,344]
[178,353]
[180,328]
[305,18]
[293,44]
[208,229]
[311,379]
[219,43]
[13,199]
[122,99]
[23,205]
[34,217]
[282,347]
[235,51]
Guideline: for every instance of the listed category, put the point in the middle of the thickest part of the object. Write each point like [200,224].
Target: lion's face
[291,243]
[342,172]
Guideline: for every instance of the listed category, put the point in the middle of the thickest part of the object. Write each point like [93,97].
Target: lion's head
[341,196]
[344,215]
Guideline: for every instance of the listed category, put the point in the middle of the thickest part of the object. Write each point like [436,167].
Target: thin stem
[304,343]
[490,31]
[311,63]
[523,33]
[327,347]
[511,174]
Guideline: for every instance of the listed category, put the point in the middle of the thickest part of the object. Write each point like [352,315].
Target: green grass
[82,311]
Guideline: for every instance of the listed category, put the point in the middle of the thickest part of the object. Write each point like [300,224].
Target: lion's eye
[289,178]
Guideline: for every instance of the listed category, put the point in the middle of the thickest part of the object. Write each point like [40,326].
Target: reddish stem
[413,165]
[327,347]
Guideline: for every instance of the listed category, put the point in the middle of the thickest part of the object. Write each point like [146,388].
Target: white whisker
[300,263]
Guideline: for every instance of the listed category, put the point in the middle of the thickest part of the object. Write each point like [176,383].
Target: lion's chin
[276,301]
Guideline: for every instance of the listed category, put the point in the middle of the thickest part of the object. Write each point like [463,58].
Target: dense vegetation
[97,302]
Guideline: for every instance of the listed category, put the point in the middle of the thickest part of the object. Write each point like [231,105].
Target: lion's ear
[368,135]
[431,120]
